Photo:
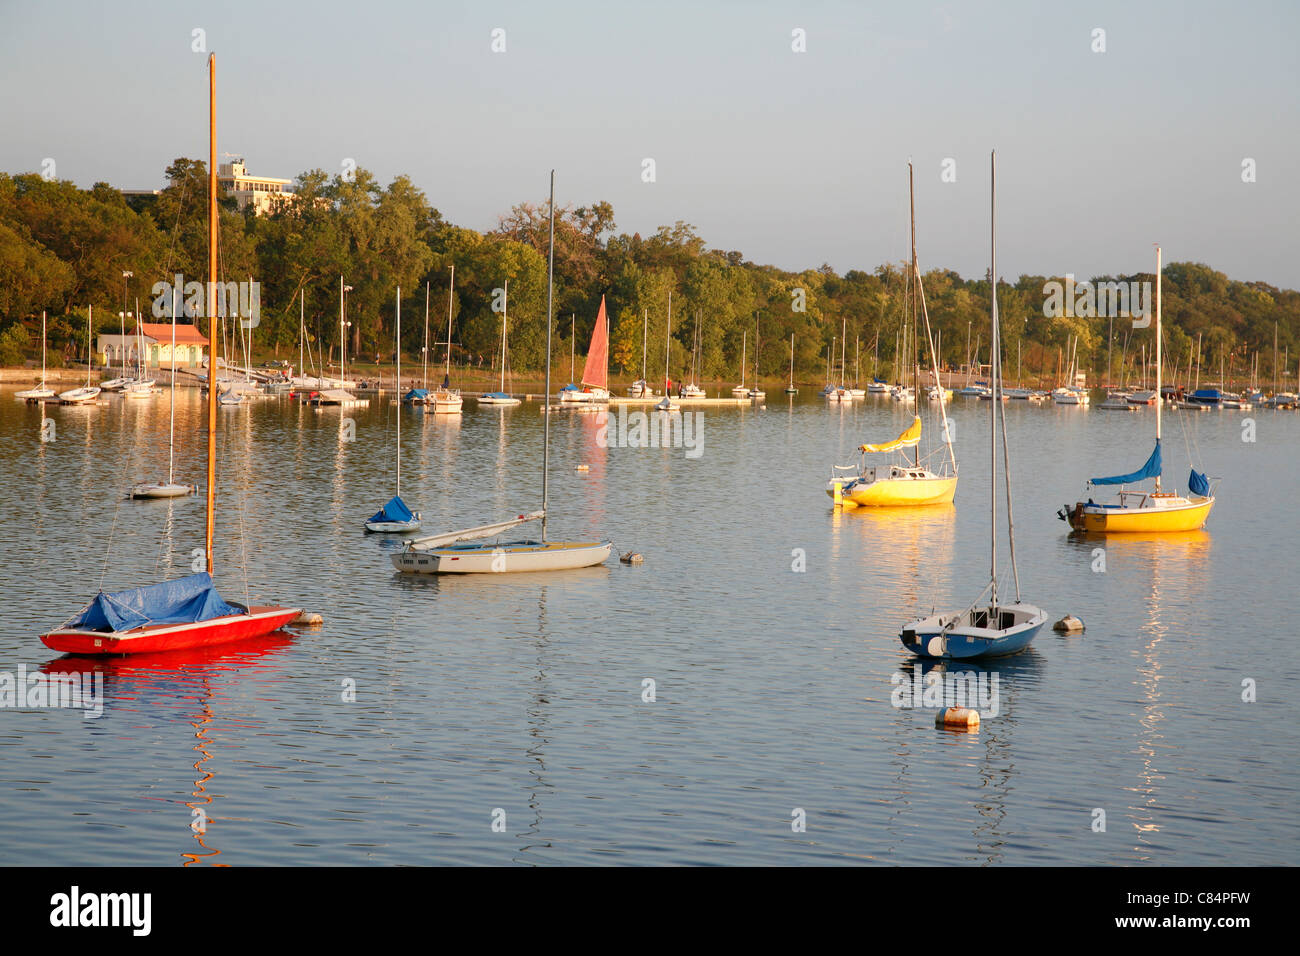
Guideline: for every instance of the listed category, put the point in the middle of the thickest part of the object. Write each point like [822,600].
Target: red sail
[595,374]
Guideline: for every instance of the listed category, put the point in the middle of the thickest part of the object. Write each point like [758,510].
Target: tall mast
[424,356]
[573,340]
[451,295]
[1159,397]
[546,403]
[792,360]
[90,320]
[916,278]
[744,340]
[505,312]
[171,428]
[645,332]
[212,311]
[668,332]
[993,369]
[398,334]
[302,326]
[43,351]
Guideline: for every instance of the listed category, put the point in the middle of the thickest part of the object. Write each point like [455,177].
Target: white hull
[494,400]
[78,395]
[35,393]
[584,398]
[509,556]
[393,527]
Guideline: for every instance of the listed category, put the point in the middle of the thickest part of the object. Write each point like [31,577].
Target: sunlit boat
[395,517]
[990,629]
[448,553]
[595,373]
[186,612]
[1145,511]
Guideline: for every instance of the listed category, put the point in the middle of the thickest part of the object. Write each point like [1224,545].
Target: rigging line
[1006,456]
[934,359]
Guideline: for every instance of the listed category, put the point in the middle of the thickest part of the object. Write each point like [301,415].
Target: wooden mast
[212,311]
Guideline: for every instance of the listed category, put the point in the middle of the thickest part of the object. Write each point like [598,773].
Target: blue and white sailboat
[395,517]
[989,629]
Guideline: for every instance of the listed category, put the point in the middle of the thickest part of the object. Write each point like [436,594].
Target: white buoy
[633,557]
[309,617]
[963,718]
[1068,625]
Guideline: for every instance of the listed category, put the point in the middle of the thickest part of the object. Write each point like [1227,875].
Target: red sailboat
[595,374]
[187,612]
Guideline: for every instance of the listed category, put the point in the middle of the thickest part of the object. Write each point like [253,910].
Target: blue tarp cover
[1206,395]
[192,598]
[497,395]
[1150,470]
[1199,484]
[415,395]
[570,388]
[395,510]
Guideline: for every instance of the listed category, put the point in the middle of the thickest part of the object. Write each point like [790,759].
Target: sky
[794,158]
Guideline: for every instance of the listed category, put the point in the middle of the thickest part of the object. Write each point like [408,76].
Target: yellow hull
[1142,520]
[899,493]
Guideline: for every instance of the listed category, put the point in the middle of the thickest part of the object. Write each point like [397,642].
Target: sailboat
[187,612]
[168,488]
[639,388]
[595,374]
[790,389]
[992,629]
[41,391]
[140,387]
[691,390]
[1145,511]
[666,404]
[445,399]
[395,517]
[902,483]
[740,391]
[756,392]
[420,396]
[78,396]
[855,391]
[501,397]
[123,380]
[446,554]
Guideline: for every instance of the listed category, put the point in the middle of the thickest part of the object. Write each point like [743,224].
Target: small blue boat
[394,518]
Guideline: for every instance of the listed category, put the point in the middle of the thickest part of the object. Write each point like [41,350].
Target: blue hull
[958,646]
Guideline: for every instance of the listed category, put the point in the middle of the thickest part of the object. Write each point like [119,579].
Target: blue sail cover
[416,395]
[185,600]
[1199,484]
[395,510]
[1150,470]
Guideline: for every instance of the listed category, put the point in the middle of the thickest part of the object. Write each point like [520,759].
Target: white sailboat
[446,554]
[756,393]
[41,391]
[501,397]
[993,629]
[790,389]
[445,399]
[666,404]
[740,391]
[395,517]
[79,396]
[640,388]
[168,488]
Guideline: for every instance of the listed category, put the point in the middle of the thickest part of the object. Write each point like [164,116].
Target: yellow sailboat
[1139,511]
[904,483]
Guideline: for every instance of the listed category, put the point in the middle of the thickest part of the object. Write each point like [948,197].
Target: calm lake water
[524,694]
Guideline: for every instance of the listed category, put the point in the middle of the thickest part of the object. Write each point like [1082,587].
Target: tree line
[63,249]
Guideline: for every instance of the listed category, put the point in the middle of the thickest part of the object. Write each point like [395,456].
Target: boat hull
[171,637]
[162,490]
[936,637]
[899,492]
[512,556]
[1099,519]
[393,527]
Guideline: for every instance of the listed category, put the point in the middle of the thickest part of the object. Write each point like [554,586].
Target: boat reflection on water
[990,750]
[184,680]
[1178,566]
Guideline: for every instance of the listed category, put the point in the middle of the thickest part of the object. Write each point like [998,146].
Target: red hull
[172,637]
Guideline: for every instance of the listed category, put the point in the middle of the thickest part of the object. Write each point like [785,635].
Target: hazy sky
[793,158]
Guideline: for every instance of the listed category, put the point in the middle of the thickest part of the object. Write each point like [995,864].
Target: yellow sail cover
[909,439]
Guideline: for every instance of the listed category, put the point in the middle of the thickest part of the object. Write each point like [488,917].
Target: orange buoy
[965,718]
